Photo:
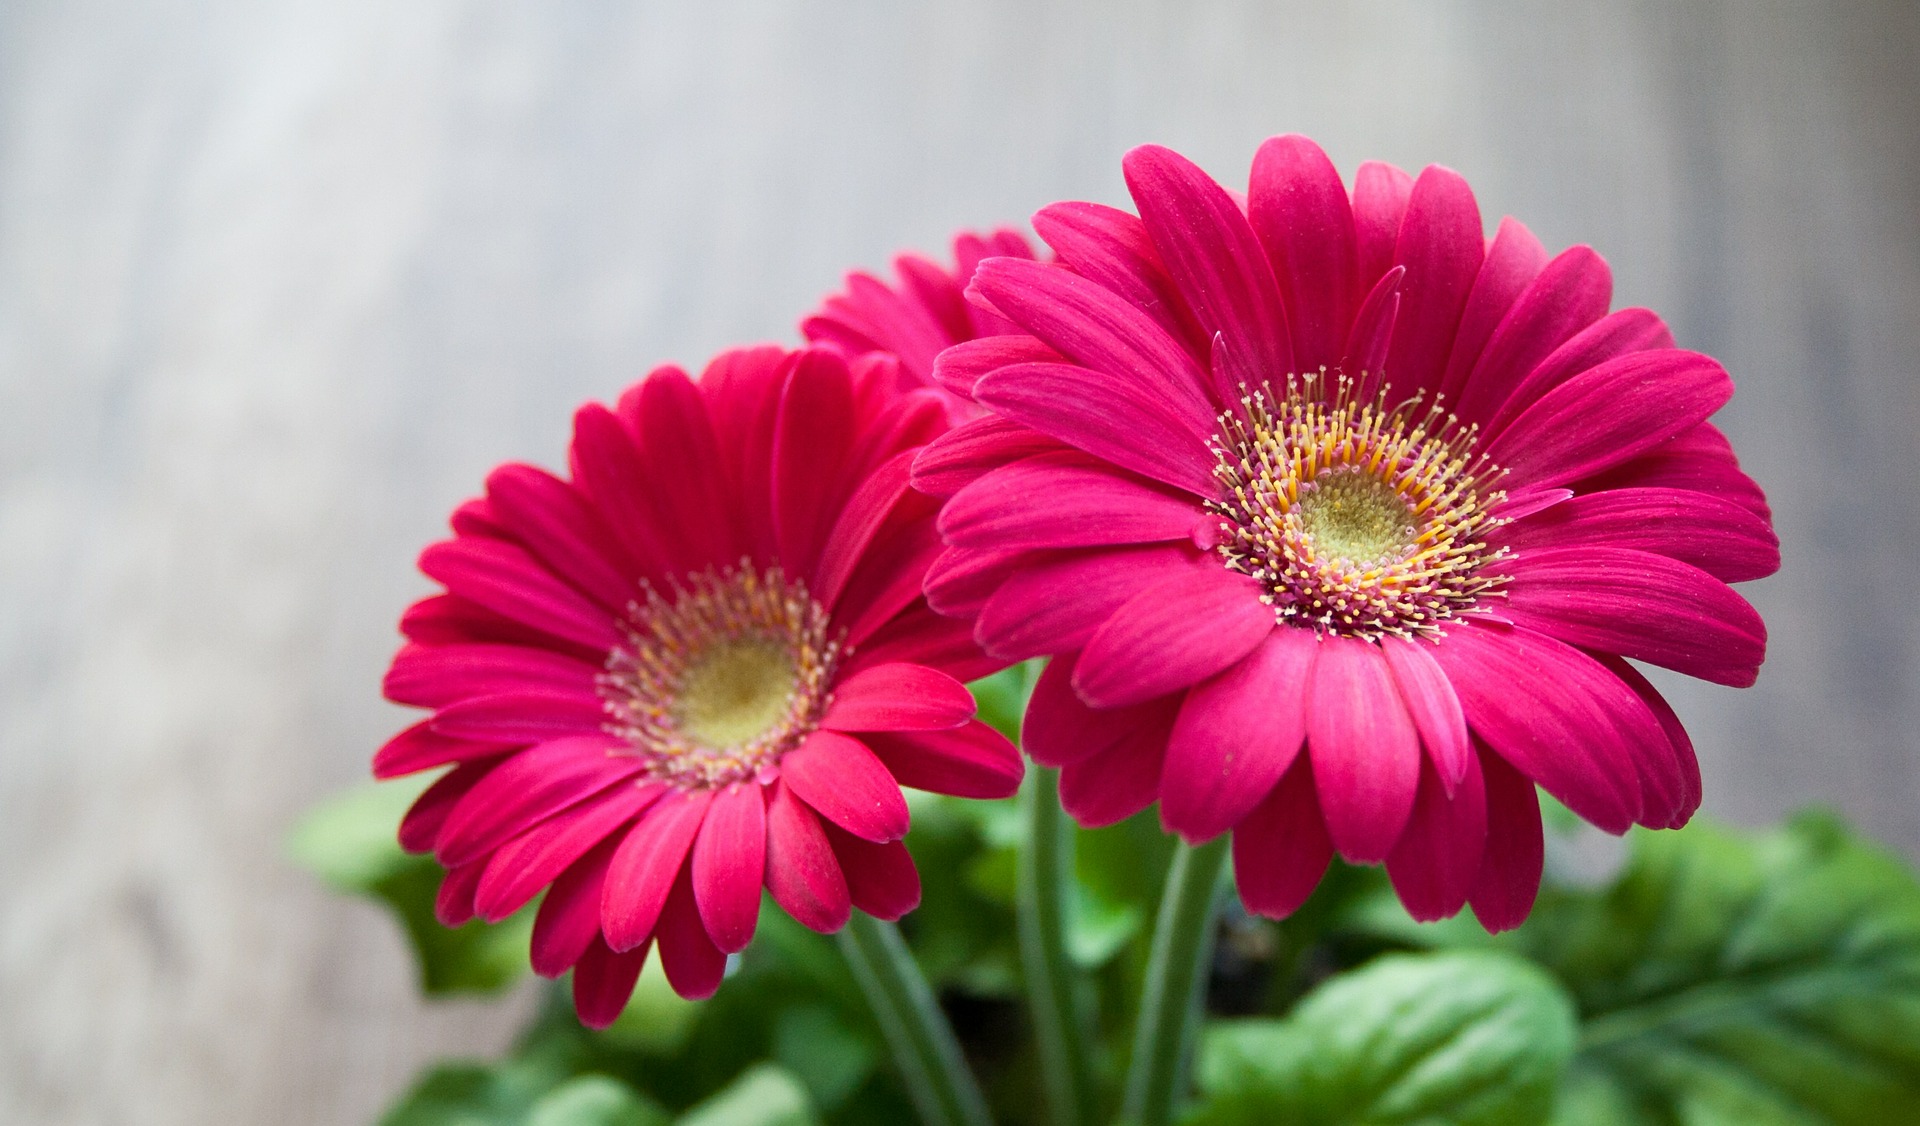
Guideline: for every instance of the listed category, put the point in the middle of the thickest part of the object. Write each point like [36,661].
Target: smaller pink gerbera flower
[699,666]
[1340,521]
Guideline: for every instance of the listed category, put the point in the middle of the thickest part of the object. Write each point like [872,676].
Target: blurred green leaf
[830,1059]
[1469,1038]
[766,1095]
[1002,697]
[349,841]
[595,1100]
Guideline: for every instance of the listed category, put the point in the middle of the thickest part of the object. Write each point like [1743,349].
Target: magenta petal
[1365,752]
[508,581]
[803,875]
[961,579]
[881,878]
[522,717]
[520,868]
[1212,254]
[812,437]
[646,865]
[923,637]
[1298,207]
[1441,245]
[453,906]
[1112,248]
[568,921]
[962,455]
[608,468]
[960,367]
[1380,194]
[1281,849]
[1175,633]
[603,982]
[1672,770]
[558,525]
[433,676]
[1366,350]
[898,697]
[1060,728]
[1432,706]
[1514,259]
[1236,735]
[420,748]
[1700,460]
[1617,334]
[971,761]
[1722,538]
[1064,500]
[681,454]
[1569,295]
[845,783]
[420,828]
[1054,605]
[1117,781]
[1117,418]
[1640,605]
[857,525]
[1509,876]
[527,787]
[729,864]
[1555,714]
[693,964]
[1437,859]
[1606,415]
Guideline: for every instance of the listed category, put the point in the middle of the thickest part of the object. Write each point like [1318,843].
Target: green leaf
[350,842]
[1728,977]
[1467,1038]
[766,1095]
[1002,697]
[595,1100]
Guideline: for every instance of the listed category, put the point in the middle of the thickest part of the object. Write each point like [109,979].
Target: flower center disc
[1357,518]
[714,685]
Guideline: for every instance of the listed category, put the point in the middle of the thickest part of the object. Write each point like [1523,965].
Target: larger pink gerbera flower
[700,666]
[1340,519]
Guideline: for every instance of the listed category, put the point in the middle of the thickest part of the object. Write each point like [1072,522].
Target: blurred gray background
[279,282]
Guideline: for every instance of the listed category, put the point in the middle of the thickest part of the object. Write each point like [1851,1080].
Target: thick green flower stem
[1170,1000]
[1044,877]
[923,1044]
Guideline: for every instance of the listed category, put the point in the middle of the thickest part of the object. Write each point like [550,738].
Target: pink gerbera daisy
[1339,520]
[925,312]
[699,666]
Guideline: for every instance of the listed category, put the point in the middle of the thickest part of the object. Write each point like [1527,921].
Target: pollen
[720,676]
[1358,518]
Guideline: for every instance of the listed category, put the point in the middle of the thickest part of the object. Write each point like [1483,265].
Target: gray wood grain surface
[279,282]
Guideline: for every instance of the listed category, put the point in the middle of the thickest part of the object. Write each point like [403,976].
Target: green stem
[1170,1000]
[924,1048]
[1044,877]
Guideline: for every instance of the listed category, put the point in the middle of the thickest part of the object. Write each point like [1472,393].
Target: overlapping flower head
[1339,520]
[699,665]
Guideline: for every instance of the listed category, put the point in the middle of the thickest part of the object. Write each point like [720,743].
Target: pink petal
[1700,460]
[453,906]
[1432,706]
[1115,417]
[1555,714]
[522,717]
[1053,605]
[1298,206]
[646,865]
[890,577]
[1112,248]
[561,528]
[1380,193]
[960,367]
[608,467]
[505,579]
[603,982]
[1236,735]
[420,748]
[1366,350]
[1617,334]
[527,787]
[922,637]
[1720,537]
[420,828]
[1060,729]
[1435,862]
[448,619]
[881,879]
[898,697]
[682,456]
[857,525]
[803,876]
[1090,325]
[1118,781]
[568,921]
[845,783]
[1513,260]
[1212,254]
[529,862]
[694,965]
[1365,752]
[1606,415]
[961,579]
[959,457]
[971,761]
[1568,296]
[1441,245]
[1639,605]
[1672,771]
[1175,633]
[1509,875]
[1281,849]
[1064,500]
[729,864]
[436,675]
[812,436]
